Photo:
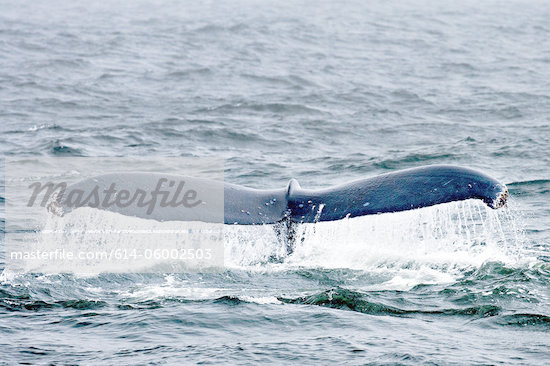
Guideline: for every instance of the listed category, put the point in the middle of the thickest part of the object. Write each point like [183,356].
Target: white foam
[430,245]
[174,290]
[262,300]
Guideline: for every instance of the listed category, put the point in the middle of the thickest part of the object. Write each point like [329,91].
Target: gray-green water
[323,92]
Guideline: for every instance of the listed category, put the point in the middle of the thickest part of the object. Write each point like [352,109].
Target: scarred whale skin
[392,192]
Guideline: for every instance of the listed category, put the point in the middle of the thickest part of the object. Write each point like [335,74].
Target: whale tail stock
[392,192]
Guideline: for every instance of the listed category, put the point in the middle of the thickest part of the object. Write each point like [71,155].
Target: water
[322,92]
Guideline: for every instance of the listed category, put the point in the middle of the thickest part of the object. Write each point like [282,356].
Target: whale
[222,202]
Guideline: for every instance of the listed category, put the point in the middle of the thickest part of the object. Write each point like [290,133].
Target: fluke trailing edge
[171,197]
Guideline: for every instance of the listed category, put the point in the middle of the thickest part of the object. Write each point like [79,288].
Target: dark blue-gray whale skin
[397,191]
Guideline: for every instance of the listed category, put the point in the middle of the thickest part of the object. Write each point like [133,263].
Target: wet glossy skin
[399,191]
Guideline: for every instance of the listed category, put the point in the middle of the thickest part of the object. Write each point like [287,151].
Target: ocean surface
[324,92]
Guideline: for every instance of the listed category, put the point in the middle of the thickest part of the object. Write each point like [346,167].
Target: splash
[430,245]
[90,241]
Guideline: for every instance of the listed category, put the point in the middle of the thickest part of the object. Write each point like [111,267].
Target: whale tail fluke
[232,204]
